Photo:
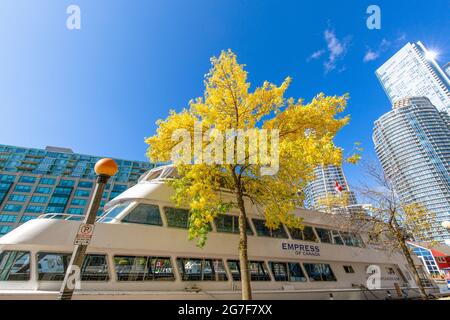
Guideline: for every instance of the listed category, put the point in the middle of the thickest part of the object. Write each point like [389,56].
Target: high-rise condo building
[413,72]
[413,144]
[54,180]
[447,69]
[329,181]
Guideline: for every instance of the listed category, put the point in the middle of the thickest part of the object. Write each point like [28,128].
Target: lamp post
[446,225]
[105,169]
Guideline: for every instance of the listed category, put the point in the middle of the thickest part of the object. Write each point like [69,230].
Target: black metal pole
[73,272]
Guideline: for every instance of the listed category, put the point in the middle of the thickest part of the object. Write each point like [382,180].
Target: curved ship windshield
[112,213]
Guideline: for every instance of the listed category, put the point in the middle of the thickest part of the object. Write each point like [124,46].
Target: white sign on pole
[84,235]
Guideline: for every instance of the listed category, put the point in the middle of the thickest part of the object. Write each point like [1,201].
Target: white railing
[74,217]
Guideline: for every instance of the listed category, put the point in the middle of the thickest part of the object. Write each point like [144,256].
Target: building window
[66,183]
[263,231]
[27,179]
[78,202]
[257,269]
[230,224]
[14,266]
[47,181]
[283,271]
[17,197]
[58,200]
[43,190]
[34,209]
[22,188]
[39,199]
[192,269]
[54,209]
[75,210]
[130,268]
[349,269]
[12,208]
[7,178]
[27,218]
[319,272]
[82,193]
[5,229]
[62,191]
[85,184]
[144,214]
[8,218]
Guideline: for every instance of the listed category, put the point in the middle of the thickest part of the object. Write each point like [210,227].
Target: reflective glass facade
[412,72]
[54,180]
[413,144]
[324,185]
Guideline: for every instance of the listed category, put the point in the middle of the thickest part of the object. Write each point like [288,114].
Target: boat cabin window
[352,239]
[349,269]
[14,266]
[319,272]
[53,266]
[290,271]
[257,269]
[230,224]
[336,236]
[144,214]
[329,236]
[112,213]
[131,268]
[178,218]
[263,231]
[307,234]
[95,268]
[194,269]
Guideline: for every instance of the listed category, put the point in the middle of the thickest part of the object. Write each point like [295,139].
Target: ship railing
[74,217]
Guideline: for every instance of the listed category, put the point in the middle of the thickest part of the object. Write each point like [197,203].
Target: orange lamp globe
[106,166]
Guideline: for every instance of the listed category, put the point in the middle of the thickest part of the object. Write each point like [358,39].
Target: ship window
[319,272]
[263,231]
[179,218]
[352,239]
[324,235]
[52,266]
[287,271]
[114,211]
[14,266]
[201,269]
[230,224]
[144,214]
[257,269]
[95,268]
[349,269]
[307,234]
[336,237]
[130,268]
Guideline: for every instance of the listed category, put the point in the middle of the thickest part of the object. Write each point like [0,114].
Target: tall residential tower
[413,72]
[413,144]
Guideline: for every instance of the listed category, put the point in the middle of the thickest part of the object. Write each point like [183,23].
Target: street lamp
[446,224]
[105,169]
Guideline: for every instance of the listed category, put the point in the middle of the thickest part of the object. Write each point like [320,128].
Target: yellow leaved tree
[289,139]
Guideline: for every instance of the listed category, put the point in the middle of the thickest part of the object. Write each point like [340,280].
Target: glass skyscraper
[54,180]
[327,181]
[413,144]
[413,72]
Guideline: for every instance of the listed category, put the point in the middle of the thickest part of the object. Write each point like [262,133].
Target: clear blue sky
[99,90]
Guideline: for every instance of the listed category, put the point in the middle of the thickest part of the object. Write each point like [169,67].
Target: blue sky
[99,90]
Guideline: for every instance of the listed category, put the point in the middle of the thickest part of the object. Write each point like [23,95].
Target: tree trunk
[402,241]
[408,257]
[243,257]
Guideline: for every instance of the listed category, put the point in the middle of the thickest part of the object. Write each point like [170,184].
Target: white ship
[140,251]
